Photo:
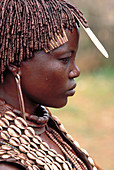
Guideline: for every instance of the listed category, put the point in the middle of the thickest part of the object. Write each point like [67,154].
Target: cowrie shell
[9,115]
[37,140]
[69,136]
[94,168]
[33,145]
[57,119]
[77,144]
[5,135]
[83,150]
[29,132]
[24,148]
[30,168]
[40,161]
[5,156]
[60,158]
[91,161]
[1,128]
[54,167]
[52,152]
[20,122]
[50,158]
[35,167]
[62,128]
[40,154]
[31,155]
[44,146]
[69,165]
[4,122]
[46,167]
[14,141]
[65,166]
[6,147]
[24,139]
[47,160]
[14,131]
[2,152]
[58,165]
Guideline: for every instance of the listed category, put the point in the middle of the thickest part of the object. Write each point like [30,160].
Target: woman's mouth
[71,91]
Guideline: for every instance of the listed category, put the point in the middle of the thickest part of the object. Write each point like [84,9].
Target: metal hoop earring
[20,96]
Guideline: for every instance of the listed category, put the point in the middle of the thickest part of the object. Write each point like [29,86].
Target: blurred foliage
[89,115]
[100,17]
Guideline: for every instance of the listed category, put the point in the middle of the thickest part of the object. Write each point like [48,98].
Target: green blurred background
[89,114]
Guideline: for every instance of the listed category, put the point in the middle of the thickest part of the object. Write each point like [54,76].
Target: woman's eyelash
[66,59]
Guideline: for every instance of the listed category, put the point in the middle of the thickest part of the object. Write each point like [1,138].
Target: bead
[83,150]
[94,168]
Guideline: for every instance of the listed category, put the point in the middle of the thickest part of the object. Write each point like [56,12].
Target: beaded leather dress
[21,145]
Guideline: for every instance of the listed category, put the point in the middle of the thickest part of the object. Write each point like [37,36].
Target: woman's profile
[38,46]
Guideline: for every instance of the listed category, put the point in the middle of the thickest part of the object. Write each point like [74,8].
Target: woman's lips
[71,91]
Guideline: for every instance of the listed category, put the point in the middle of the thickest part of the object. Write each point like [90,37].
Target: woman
[38,45]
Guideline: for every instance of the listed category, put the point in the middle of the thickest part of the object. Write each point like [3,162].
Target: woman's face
[48,78]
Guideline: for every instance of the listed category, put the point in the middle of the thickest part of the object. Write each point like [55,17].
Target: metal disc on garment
[32,155]
[29,132]
[20,122]
[4,122]
[6,156]
[6,147]
[24,139]
[33,145]
[44,146]
[24,148]
[40,161]
[5,135]
[2,151]
[59,158]
[9,115]
[52,152]
[14,141]
[14,131]
[37,140]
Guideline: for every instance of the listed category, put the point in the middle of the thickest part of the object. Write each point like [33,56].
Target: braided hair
[28,25]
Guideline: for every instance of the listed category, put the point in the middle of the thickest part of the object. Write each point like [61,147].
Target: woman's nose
[75,72]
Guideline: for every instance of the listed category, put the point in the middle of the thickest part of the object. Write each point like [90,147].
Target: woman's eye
[66,59]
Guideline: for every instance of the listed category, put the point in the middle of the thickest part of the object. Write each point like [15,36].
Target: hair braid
[28,25]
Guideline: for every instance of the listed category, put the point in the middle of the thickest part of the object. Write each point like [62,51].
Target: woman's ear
[14,69]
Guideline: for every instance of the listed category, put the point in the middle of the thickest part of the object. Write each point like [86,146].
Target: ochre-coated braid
[27,25]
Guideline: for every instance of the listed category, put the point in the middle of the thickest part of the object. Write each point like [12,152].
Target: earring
[20,96]
[17,73]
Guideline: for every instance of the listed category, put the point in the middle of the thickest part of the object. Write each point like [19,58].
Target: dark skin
[47,79]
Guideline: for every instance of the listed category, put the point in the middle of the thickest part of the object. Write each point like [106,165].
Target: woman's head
[33,25]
